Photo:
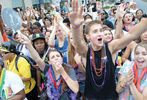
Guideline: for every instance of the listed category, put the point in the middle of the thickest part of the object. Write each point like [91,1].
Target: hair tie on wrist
[76,27]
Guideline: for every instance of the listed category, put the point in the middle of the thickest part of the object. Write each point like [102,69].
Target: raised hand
[120,11]
[58,16]
[99,6]
[23,39]
[76,15]
[59,67]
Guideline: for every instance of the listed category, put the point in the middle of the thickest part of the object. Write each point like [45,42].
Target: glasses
[102,13]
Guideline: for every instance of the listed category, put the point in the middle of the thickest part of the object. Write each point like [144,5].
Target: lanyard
[53,79]
[137,83]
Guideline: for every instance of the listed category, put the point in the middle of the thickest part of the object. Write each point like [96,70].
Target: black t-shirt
[108,90]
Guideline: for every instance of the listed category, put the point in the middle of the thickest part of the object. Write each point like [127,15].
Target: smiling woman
[134,86]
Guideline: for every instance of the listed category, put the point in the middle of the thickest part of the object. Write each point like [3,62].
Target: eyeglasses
[102,13]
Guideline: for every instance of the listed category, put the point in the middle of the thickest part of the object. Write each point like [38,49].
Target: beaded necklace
[137,83]
[127,29]
[2,79]
[98,71]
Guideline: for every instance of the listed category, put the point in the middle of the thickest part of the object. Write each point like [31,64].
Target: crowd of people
[75,52]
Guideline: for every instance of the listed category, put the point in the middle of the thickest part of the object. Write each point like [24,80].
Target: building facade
[22,3]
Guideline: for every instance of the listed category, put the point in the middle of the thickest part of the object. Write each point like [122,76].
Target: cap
[37,36]
[8,47]
[37,24]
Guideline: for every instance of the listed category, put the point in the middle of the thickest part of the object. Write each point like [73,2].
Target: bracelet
[76,27]
[66,78]
[38,84]
[98,13]
[122,86]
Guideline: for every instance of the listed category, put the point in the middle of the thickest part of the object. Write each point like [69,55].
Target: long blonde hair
[71,53]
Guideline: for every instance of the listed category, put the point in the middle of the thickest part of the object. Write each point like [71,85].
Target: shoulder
[10,76]
[23,61]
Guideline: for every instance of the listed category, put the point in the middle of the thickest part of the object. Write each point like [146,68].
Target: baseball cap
[8,47]
[37,36]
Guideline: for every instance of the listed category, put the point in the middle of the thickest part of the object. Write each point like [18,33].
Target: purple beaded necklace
[103,61]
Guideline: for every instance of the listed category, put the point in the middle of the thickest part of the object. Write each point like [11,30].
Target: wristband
[122,86]
[76,27]
[66,78]
[39,85]
[98,13]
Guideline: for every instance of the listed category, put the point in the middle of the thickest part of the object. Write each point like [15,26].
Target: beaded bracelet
[38,84]
[122,86]
[98,13]
[76,27]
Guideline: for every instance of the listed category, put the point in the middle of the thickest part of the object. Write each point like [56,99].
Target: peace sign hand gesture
[76,15]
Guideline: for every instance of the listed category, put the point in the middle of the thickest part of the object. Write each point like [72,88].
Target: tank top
[108,90]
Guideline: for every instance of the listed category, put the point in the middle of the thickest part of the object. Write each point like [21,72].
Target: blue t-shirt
[63,49]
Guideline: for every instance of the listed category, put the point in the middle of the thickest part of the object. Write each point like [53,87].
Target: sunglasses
[102,13]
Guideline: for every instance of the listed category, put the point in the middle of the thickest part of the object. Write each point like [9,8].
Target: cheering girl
[132,84]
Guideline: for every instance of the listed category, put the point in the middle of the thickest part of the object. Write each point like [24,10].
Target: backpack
[30,61]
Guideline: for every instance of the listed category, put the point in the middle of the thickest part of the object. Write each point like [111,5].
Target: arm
[128,51]
[119,16]
[125,80]
[25,79]
[136,94]
[133,34]
[81,63]
[121,82]
[73,85]
[1,22]
[52,38]
[23,39]
[39,80]
[118,29]
[76,20]
[19,96]
[60,22]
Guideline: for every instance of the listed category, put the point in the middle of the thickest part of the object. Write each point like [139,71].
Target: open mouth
[140,63]
[128,19]
[100,39]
